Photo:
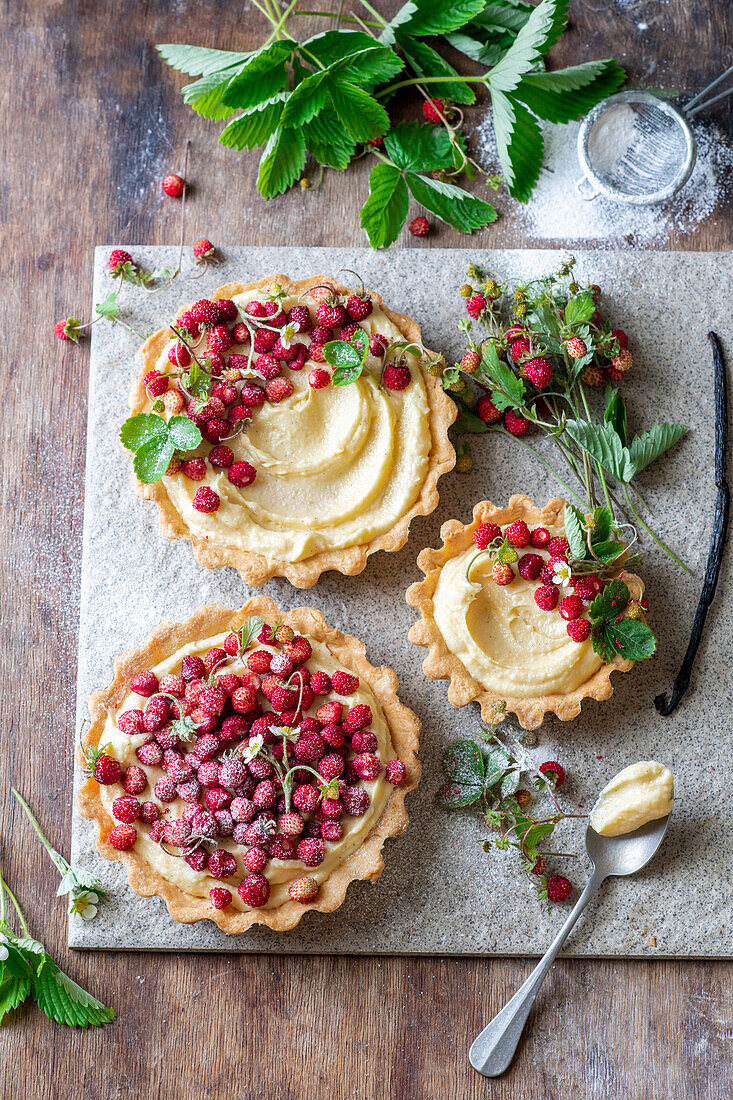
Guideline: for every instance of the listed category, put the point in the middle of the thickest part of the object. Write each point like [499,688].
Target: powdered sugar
[556,212]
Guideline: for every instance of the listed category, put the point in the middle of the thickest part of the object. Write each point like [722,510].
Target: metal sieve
[637,148]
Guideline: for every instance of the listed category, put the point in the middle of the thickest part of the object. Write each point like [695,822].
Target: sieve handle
[586,190]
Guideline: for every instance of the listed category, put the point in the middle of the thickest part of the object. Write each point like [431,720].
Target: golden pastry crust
[253,568]
[365,863]
[442,664]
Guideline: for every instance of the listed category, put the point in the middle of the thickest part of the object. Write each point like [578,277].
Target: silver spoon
[493,1050]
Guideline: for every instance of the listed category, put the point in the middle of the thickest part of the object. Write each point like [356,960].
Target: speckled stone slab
[440,893]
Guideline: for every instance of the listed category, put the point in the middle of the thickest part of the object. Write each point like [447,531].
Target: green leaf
[109,307]
[370,67]
[580,308]
[384,212]
[602,443]
[519,144]
[501,15]
[327,141]
[497,763]
[254,127]
[468,422]
[13,991]
[425,61]
[435,17]
[608,551]
[615,414]
[282,162]
[306,100]
[331,46]
[206,95]
[648,446]
[455,797]
[199,61]
[263,75]
[534,834]
[510,783]
[575,532]
[183,433]
[423,148]
[64,1001]
[451,204]
[141,429]
[152,459]
[538,35]
[602,644]
[347,358]
[603,523]
[569,94]
[484,53]
[610,603]
[463,763]
[340,353]
[632,638]
[360,114]
[508,388]
[249,630]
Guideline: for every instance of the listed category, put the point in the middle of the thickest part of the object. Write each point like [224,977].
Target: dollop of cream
[640,793]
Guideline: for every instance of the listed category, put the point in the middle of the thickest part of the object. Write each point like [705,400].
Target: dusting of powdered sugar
[556,212]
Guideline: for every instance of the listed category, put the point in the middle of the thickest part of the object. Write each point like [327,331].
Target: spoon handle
[493,1050]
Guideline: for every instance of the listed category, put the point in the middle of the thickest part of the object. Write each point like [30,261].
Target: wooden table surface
[91,122]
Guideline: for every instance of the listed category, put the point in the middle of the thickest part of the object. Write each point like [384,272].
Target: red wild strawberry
[331,712]
[150,754]
[227,309]
[517,533]
[344,683]
[205,499]
[331,829]
[149,812]
[221,864]
[221,456]
[367,766]
[358,718]
[502,573]
[265,795]
[623,340]
[219,338]
[216,798]
[131,722]
[192,668]
[558,548]
[156,714]
[396,376]
[220,897]
[471,361]
[172,684]
[304,890]
[520,348]
[320,682]
[546,597]
[241,474]
[514,423]
[68,329]
[291,824]
[579,630]
[331,766]
[244,699]
[485,534]
[212,700]
[576,348]
[538,371]
[278,389]
[126,809]
[620,364]
[311,851]
[530,566]
[539,537]
[122,837]
[194,468]
[540,866]
[378,344]
[298,651]
[319,379]
[177,832]
[571,607]
[306,798]
[165,789]
[144,683]
[356,800]
[189,791]
[117,259]
[173,185]
[433,110]
[205,312]
[264,341]
[134,780]
[309,748]
[331,316]
[255,859]
[331,809]
[558,888]
[358,308]
[254,891]
[396,772]
[179,355]
[487,410]
[419,227]
[203,250]
[551,767]
[475,305]
[281,847]
[242,809]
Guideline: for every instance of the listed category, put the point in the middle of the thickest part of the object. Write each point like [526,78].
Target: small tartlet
[256,567]
[397,728]
[442,663]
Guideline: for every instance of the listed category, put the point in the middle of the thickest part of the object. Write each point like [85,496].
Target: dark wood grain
[91,120]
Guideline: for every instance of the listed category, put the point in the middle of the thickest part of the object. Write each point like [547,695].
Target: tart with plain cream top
[513,626]
[301,467]
[246,767]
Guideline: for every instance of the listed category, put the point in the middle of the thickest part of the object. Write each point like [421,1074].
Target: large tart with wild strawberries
[300,470]
[512,626]
[247,766]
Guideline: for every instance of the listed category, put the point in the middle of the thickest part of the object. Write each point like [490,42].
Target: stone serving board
[440,893]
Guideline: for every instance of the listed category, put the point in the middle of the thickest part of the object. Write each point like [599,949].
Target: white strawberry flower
[4,941]
[287,335]
[84,905]
[254,748]
[561,573]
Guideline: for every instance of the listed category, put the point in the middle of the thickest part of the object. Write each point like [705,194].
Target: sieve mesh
[637,148]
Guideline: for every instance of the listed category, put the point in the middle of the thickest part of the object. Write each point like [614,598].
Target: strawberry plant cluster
[328,98]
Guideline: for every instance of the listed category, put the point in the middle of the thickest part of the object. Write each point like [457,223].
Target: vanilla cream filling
[506,642]
[640,793]
[336,467]
[280,873]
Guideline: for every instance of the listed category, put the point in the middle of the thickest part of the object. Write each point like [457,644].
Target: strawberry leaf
[141,429]
[615,415]
[153,458]
[610,603]
[632,638]
[575,532]
[329,47]
[199,61]
[327,141]
[64,1001]
[519,144]
[307,99]
[360,114]
[538,35]
[254,127]
[183,433]
[451,204]
[463,763]
[384,212]
[569,94]
[263,75]
[580,308]
[282,162]
[432,17]
[13,991]
[508,390]
[421,148]
[648,446]
[427,62]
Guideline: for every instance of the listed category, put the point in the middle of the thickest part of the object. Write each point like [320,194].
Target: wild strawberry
[255,859]
[264,340]
[378,344]
[165,789]
[558,888]
[331,809]
[358,308]
[517,533]
[306,798]
[157,385]
[475,305]
[144,683]
[243,809]
[173,185]
[216,798]
[396,772]
[471,361]
[156,714]
[224,823]
[265,795]
[177,832]
[241,474]
[221,456]
[332,766]
[538,371]
[502,573]
[192,668]
[244,699]
[261,769]
[356,800]
[226,392]
[117,259]
[592,376]
[558,548]
[304,890]
[204,312]
[540,866]
[278,389]
[178,354]
[274,313]
[298,650]
[189,791]
[310,852]
[419,227]
[203,250]
[329,712]
[220,897]
[134,780]
[396,376]
[539,537]
[255,309]
[576,347]
[485,534]
[320,682]
[232,773]
[309,748]
[551,767]
[344,683]
[221,864]
[366,765]
[487,410]
[332,830]
[620,364]
[215,430]
[579,630]
[364,741]
[319,379]
[205,499]
[291,824]
[149,812]
[514,423]
[331,316]
[546,597]
[194,468]
[219,338]
[520,348]
[126,809]
[254,891]
[150,754]
[433,110]
[122,837]
[358,718]
[571,607]
[131,722]
[529,566]
[623,340]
